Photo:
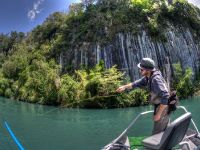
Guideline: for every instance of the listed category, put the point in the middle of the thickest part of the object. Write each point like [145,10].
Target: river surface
[40,127]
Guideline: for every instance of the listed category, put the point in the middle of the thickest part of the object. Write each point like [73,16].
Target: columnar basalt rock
[126,51]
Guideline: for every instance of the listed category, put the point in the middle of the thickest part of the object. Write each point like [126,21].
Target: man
[154,81]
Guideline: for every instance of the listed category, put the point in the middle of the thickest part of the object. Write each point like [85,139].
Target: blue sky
[24,15]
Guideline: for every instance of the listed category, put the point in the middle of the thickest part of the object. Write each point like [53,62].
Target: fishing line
[45,113]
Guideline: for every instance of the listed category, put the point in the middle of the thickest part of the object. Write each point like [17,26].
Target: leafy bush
[69,92]
[99,85]
[4,84]
[16,62]
[39,83]
[183,81]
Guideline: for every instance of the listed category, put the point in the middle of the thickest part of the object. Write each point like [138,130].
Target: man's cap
[147,64]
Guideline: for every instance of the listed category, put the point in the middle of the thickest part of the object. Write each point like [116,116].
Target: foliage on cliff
[26,75]
[183,82]
[101,21]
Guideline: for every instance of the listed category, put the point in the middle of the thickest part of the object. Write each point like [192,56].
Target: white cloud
[195,2]
[35,10]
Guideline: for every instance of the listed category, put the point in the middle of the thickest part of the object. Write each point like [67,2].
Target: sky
[24,15]
[195,2]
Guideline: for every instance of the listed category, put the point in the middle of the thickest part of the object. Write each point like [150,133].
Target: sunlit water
[50,128]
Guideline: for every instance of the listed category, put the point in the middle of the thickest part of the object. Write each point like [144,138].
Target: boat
[177,135]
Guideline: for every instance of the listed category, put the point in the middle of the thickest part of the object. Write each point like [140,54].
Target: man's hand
[158,114]
[124,87]
[157,117]
[121,89]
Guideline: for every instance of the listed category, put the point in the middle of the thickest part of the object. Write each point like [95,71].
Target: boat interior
[177,135]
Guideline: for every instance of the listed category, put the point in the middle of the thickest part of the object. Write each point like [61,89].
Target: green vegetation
[184,14]
[100,22]
[183,82]
[32,79]
[29,69]
[99,87]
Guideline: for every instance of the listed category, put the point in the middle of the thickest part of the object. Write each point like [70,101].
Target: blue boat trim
[13,136]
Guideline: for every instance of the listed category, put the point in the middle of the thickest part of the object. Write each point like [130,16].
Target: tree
[86,3]
[49,30]
[183,81]
[7,41]
[75,8]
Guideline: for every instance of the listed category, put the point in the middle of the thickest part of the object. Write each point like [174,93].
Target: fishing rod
[11,133]
[13,136]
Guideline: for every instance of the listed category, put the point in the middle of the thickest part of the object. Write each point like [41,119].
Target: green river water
[40,127]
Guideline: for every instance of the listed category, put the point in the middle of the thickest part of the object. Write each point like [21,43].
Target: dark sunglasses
[141,69]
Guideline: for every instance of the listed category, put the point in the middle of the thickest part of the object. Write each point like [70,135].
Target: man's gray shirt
[156,85]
